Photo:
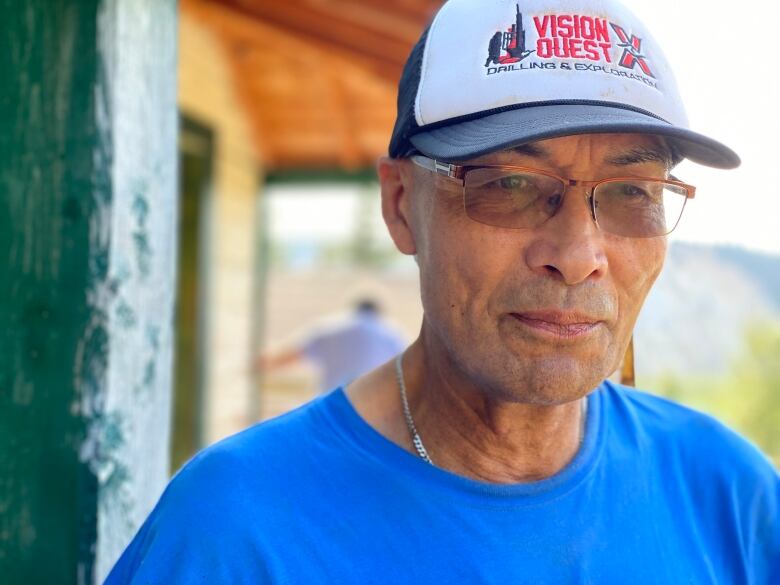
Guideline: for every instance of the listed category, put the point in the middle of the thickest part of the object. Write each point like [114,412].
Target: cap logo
[632,51]
[569,42]
[508,47]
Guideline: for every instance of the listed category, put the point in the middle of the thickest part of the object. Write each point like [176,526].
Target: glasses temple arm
[440,168]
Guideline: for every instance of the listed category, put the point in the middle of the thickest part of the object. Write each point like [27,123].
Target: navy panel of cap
[475,137]
[493,74]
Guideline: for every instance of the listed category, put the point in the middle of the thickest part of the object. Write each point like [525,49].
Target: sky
[725,58]
[725,55]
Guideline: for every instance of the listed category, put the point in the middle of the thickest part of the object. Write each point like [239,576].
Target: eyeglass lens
[521,199]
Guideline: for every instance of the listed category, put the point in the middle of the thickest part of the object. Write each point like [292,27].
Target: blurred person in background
[529,172]
[342,350]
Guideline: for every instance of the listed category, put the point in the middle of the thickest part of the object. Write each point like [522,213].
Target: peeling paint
[143,247]
[125,315]
[98,450]
[143,252]
[150,371]
[133,471]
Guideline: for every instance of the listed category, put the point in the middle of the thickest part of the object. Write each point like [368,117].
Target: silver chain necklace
[417,441]
[418,444]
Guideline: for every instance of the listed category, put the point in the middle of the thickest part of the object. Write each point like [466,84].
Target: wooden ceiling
[317,78]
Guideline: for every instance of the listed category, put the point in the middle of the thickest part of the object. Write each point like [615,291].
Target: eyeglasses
[521,198]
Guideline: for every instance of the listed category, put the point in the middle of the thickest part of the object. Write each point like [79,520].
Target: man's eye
[514,182]
[633,191]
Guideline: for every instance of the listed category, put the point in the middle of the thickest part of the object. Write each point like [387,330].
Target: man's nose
[569,246]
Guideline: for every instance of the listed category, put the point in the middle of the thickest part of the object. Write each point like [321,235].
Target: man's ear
[396,181]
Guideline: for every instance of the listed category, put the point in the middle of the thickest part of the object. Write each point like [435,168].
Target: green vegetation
[747,398]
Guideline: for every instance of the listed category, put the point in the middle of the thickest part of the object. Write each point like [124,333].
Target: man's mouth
[560,324]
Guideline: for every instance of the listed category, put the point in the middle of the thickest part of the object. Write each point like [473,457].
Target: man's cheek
[637,265]
[452,288]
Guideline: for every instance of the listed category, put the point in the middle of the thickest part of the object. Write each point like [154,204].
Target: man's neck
[463,428]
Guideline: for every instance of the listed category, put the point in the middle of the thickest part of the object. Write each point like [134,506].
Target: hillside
[694,319]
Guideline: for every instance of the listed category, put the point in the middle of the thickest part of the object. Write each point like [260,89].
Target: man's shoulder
[226,488]
[690,435]
[269,443]
[721,479]
[258,462]
[222,496]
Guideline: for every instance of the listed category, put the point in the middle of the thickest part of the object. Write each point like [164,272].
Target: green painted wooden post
[87,266]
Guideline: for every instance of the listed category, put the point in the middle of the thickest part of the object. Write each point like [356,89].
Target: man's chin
[546,381]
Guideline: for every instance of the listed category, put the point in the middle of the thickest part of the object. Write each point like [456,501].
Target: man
[536,196]
[344,349]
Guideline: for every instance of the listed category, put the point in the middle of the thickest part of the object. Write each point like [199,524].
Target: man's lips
[562,324]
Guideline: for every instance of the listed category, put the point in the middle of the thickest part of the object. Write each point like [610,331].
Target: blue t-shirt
[657,494]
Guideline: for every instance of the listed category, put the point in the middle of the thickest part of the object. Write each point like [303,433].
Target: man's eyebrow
[642,154]
[532,150]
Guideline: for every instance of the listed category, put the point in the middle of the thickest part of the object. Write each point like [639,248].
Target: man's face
[537,315]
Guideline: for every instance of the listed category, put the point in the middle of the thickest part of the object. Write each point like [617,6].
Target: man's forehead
[602,149]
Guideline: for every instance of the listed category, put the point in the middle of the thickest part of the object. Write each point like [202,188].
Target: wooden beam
[361,35]
[419,11]
[330,99]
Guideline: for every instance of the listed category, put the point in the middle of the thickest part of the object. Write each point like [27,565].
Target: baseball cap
[489,75]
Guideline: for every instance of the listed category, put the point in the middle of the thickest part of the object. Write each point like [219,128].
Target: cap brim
[479,136]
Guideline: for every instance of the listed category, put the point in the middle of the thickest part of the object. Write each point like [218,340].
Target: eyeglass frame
[457,173]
